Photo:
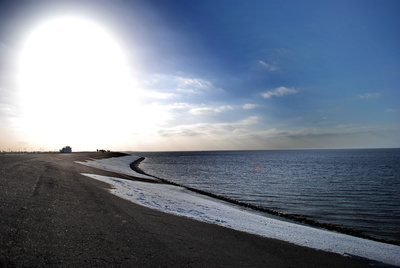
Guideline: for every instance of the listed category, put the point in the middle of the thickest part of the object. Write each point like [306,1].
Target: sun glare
[74,79]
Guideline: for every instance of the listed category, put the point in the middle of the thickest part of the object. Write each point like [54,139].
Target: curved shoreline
[296,218]
[55,216]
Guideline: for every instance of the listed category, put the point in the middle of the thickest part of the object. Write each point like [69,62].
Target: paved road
[51,215]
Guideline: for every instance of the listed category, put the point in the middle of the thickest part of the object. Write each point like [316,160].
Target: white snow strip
[116,164]
[179,201]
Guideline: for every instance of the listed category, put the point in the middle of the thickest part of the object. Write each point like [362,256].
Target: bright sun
[73,77]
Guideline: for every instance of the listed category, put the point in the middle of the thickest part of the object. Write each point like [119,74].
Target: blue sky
[215,75]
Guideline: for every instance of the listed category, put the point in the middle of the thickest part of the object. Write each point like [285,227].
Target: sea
[354,189]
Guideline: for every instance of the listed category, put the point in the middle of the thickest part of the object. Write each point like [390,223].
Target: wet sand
[53,216]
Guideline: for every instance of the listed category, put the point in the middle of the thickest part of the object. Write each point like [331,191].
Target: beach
[53,215]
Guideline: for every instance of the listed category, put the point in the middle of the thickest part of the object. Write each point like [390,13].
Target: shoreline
[291,217]
[66,219]
[181,202]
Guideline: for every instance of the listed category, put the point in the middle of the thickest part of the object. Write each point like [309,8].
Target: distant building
[66,149]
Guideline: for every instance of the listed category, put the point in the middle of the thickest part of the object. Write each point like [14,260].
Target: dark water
[357,189]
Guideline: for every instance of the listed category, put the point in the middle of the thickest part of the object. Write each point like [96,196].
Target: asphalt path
[52,216]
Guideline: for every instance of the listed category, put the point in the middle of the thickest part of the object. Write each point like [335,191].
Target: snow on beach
[182,202]
[117,164]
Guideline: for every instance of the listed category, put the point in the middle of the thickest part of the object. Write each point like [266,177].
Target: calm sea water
[357,189]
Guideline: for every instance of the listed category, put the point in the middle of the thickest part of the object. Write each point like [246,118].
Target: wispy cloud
[193,82]
[167,84]
[279,92]
[205,111]
[268,66]
[209,110]
[249,106]
[193,85]
[248,121]
[369,95]
[211,129]
[298,133]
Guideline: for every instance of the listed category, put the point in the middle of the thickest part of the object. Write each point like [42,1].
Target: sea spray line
[178,201]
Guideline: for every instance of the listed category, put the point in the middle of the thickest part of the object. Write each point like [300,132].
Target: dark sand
[51,215]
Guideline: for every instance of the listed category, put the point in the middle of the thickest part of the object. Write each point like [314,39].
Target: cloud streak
[271,67]
[249,106]
[369,96]
[193,85]
[205,111]
[159,84]
[209,110]
[279,92]
[193,82]
[210,129]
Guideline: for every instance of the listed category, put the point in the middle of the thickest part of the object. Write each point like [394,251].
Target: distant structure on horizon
[66,149]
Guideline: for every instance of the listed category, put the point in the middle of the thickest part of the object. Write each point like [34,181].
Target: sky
[199,75]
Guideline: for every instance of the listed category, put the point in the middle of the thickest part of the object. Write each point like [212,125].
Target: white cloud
[252,120]
[250,134]
[192,85]
[369,95]
[186,132]
[211,129]
[226,107]
[164,86]
[279,92]
[193,82]
[210,110]
[268,66]
[299,133]
[205,111]
[249,106]
[188,90]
